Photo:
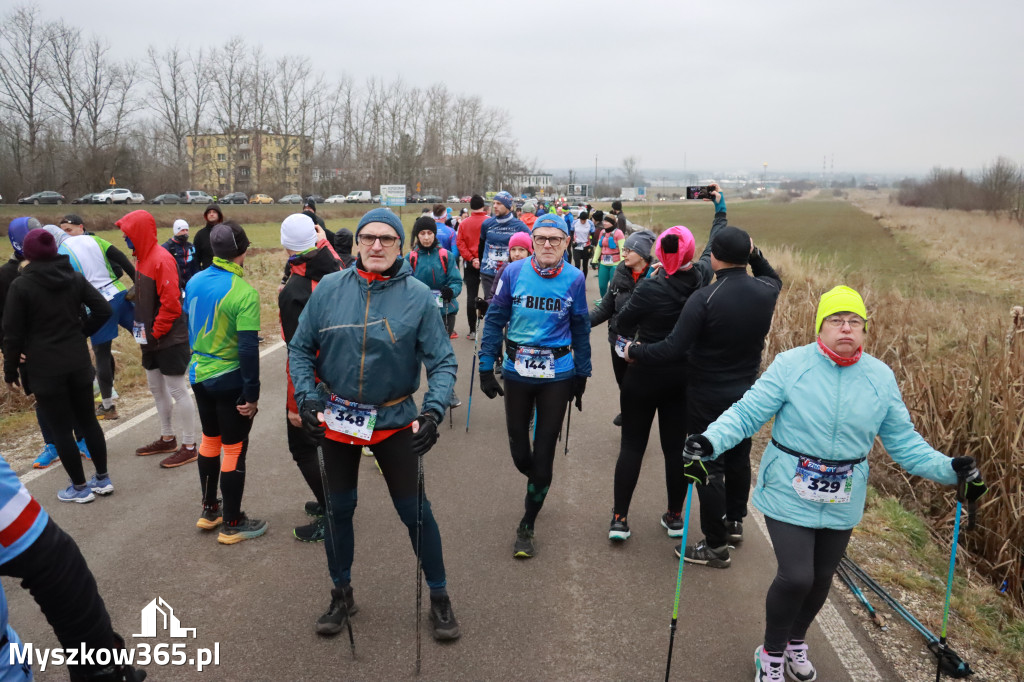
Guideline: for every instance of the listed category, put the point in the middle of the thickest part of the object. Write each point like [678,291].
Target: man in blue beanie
[355,363]
[494,236]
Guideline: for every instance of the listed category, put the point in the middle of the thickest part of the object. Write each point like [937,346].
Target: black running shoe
[524,548]
[312,532]
[442,619]
[619,530]
[734,531]
[211,517]
[314,508]
[702,554]
[343,605]
[673,524]
[617,419]
[244,529]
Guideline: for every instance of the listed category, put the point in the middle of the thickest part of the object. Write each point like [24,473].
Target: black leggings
[55,573]
[619,366]
[303,449]
[725,496]
[646,390]
[807,560]
[218,413]
[66,400]
[104,367]
[471,285]
[579,259]
[399,466]
[550,399]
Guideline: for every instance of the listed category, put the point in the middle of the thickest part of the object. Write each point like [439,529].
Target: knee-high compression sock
[232,480]
[209,468]
[431,554]
[534,501]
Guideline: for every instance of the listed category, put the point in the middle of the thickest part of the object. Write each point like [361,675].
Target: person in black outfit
[343,243]
[309,208]
[721,331]
[648,317]
[635,265]
[44,320]
[204,252]
[308,264]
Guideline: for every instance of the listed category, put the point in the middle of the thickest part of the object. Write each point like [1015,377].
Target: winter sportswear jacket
[722,328]
[446,237]
[615,299]
[45,320]
[468,236]
[609,244]
[541,312]
[366,341]
[8,272]
[494,236]
[430,270]
[101,262]
[307,269]
[223,324]
[204,252]
[185,256]
[651,313]
[830,412]
[157,289]
[529,219]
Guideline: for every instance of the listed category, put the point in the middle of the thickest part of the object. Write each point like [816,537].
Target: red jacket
[157,292]
[529,219]
[468,237]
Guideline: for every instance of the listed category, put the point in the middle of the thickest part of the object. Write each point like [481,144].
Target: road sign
[112,181]
[392,195]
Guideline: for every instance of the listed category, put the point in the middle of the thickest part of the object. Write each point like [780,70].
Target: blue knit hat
[386,216]
[504,198]
[18,230]
[551,220]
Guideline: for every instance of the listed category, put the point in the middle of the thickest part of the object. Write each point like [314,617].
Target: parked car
[137,198]
[193,196]
[45,197]
[335,199]
[375,199]
[430,199]
[261,199]
[315,197]
[358,196]
[452,200]
[234,198]
[84,199]
[290,199]
[169,198]
[466,199]
[117,195]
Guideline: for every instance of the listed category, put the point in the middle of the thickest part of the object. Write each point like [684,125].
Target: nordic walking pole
[859,594]
[330,529]
[568,423]
[419,558]
[949,586]
[679,578]
[472,370]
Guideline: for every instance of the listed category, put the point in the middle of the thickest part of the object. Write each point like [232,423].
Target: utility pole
[595,176]
[764,178]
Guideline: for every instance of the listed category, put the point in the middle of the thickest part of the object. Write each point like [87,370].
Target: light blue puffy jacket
[829,412]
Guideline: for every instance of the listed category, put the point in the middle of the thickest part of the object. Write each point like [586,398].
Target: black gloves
[489,385]
[481,307]
[696,449]
[593,266]
[426,434]
[969,487]
[310,422]
[579,386]
[12,378]
[447,294]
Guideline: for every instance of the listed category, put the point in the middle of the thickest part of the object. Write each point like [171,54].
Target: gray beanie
[386,216]
[641,242]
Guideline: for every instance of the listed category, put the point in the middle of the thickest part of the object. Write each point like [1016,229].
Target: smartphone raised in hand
[699,192]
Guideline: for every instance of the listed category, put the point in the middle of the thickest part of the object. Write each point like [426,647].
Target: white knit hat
[180,226]
[298,232]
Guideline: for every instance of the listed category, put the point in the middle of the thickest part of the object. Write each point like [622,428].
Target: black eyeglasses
[386,240]
[553,241]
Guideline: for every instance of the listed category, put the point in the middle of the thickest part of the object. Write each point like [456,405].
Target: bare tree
[232,103]
[166,73]
[65,63]
[23,45]
[634,178]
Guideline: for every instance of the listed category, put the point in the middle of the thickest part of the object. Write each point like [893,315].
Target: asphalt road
[582,609]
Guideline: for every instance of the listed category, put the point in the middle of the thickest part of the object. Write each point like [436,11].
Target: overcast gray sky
[881,85]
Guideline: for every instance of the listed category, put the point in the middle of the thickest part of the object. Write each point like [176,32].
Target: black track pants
[646,391]
[66,400]
[807,560]
[471,285]
[550,399]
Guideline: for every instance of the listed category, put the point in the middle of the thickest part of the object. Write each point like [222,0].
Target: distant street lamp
[764,177]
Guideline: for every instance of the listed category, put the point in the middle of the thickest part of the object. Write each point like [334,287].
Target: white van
[359,196]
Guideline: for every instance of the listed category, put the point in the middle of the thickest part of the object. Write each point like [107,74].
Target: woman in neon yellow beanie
[829,400]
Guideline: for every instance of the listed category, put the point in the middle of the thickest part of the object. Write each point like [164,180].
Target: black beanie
[424,222]
[616,205]
[476,202]
[343,241]
[731,245]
